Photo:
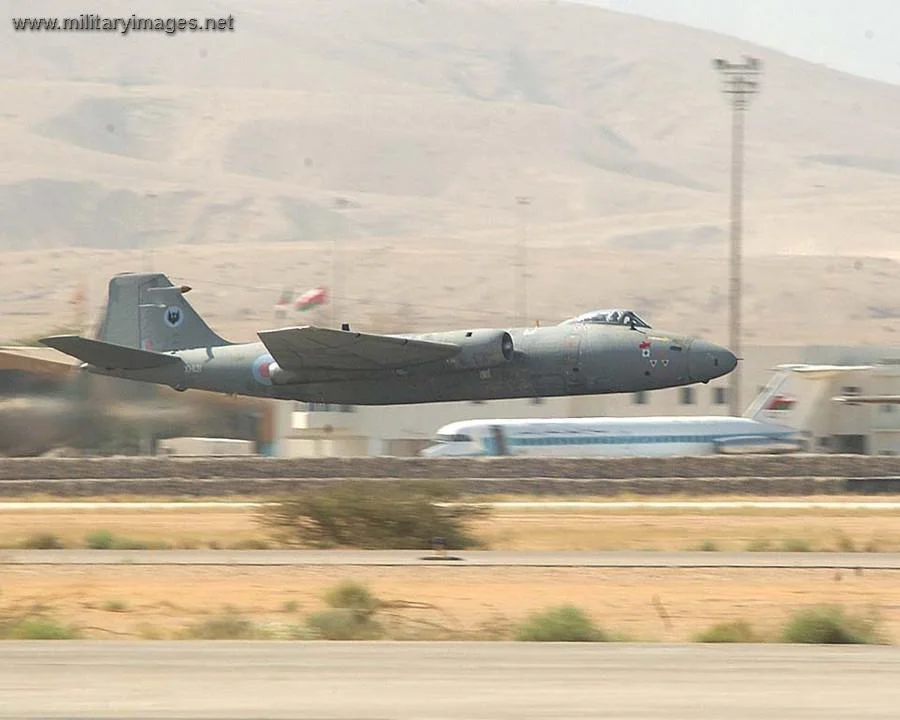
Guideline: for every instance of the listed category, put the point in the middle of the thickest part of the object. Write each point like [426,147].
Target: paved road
[599,505]
[445,681]
[485,558]
[61,505]
[698,505]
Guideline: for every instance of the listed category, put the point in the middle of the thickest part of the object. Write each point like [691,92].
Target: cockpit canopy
[628,318]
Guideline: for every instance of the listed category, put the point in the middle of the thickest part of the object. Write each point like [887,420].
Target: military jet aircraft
[150,333]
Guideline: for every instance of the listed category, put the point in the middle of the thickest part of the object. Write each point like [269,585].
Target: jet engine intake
[480,349]
[279,376]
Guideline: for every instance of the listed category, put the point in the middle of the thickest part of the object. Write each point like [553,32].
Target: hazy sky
[856,36]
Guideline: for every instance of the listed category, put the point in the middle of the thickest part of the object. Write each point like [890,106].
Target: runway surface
[444,681]
[598,505]
[483,558]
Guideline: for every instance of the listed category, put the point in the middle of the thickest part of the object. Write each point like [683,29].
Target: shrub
[43,541]
[845,543]
[100,540]
[829,625]
[737,631]
[146,631]
[300,632]
[351,616]
[343,624]
[116,606]
[250,544]
[352,596]
[228,626]
[707,546]
[105,540]
[564,623]
[373,514]
[795,545]
[759,545]
[36,627]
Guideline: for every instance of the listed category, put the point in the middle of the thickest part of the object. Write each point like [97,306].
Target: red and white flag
[310,299]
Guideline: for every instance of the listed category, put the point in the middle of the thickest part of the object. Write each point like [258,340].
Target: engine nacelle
[481,349]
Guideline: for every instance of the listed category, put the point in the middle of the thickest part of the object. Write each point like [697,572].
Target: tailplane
[146,311]
[108,355]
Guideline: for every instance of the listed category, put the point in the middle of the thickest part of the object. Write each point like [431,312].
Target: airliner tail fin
[791,395]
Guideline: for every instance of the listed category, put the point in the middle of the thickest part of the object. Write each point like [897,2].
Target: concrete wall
[202,446]
[721,467]
[218,477]
[530,487]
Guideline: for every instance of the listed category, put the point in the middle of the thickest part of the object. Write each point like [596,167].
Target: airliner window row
[686,396]
[622,440]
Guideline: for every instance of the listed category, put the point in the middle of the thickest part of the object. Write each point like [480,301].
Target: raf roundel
[260,369]
[173,316]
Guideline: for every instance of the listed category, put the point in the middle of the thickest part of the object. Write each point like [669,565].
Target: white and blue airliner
[771,424]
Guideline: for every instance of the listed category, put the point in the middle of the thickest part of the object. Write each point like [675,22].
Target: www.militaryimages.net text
[94,22]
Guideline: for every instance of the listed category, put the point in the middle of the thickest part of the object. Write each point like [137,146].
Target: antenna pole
[740,83]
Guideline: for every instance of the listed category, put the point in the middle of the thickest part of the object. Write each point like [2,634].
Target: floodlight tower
[740,83]
[522,204]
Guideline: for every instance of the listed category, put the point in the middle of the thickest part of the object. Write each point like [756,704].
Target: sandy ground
[643,604]
[649,529]
[640,604]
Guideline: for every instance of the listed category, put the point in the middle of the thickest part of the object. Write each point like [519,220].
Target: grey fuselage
[567,359]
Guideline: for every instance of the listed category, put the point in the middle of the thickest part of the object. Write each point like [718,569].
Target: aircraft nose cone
[707,361]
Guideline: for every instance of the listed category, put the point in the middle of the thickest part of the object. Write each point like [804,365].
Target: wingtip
[59,342]
[50,339]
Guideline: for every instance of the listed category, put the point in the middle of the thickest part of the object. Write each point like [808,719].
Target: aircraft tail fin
[146,311]
[792,395]
[108,356]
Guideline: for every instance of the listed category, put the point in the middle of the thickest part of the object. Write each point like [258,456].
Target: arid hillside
[402,131]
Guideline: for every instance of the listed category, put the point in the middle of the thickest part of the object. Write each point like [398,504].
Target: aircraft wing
[299,348]
[818,372]
[868,399]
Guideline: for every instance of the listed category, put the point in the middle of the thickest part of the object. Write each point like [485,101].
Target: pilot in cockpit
[627,318]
